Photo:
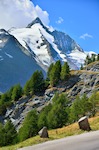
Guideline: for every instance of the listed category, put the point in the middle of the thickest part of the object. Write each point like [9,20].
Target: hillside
[81,82]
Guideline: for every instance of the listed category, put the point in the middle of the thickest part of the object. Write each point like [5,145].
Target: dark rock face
[84,124]
[15,65]
[43,133]
[86,84]
[64,42]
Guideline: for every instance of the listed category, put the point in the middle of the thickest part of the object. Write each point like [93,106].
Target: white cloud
[19,13]
[86,35]
[60,20]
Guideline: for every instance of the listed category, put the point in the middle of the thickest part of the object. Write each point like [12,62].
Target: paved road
[86,141]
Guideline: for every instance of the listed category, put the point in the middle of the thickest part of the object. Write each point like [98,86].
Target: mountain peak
[3,31]
[37,20]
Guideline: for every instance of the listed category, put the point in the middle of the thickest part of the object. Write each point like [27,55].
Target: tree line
[90,59]
[35,85]
[59,113]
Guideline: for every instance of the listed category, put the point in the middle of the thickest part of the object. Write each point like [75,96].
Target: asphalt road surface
[86,141]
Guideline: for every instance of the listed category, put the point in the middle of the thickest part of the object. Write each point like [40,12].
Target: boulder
[84,124]
[43,133]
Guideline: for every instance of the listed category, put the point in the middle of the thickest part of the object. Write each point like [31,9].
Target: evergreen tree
[9,92]
[88,60]
[17,92]
[58,67]
[42,120]
[97,57]
[30,127]
[27,88]
[10,133]
[2,107]
[37,83]
[75,110]
[58,116]
[93,57]
[85,105]
[94,102]
[55,73]
[79,108]
[4,97]
[49,71]
[65,72]
[2,136]
[53,77]
[81,68]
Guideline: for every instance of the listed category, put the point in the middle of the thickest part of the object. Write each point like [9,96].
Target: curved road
[86,141]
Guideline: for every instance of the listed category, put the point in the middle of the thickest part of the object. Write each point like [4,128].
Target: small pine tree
[17,92]
[49,71]
[10,133]
[65,72]
[58,67]
[97,57]
[30,127]
[81,68]
[2,135]
[55,73]
[88,60]
[42,120]
[37,83]
[93,57]
[58,116]
[94,102]
[27,88]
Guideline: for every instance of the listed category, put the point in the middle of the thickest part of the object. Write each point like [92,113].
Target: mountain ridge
[40,47]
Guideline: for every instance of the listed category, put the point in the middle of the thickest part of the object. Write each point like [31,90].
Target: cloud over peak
[60,20]
[86,35]
[19,13]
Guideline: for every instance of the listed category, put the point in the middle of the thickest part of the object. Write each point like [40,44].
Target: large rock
[43,133]
[84,124]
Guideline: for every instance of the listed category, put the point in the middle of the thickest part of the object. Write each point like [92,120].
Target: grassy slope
[56,134]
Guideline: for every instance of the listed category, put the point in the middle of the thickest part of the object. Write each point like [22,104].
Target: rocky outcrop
[84,124]
[87,84]
[93,67]
[43,133]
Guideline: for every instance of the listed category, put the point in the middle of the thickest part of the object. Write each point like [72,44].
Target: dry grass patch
[65,131]
[94,123]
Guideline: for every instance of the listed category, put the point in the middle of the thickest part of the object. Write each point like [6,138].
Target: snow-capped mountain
[48,46]
[24,50]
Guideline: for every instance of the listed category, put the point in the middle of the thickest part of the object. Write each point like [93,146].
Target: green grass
[56,134]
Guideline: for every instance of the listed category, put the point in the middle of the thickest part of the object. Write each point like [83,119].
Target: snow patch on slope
[33,38]
[10,56]
[0,41]
[77,57]
[1,58]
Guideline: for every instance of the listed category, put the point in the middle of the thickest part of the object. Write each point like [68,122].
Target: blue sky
[78,18]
